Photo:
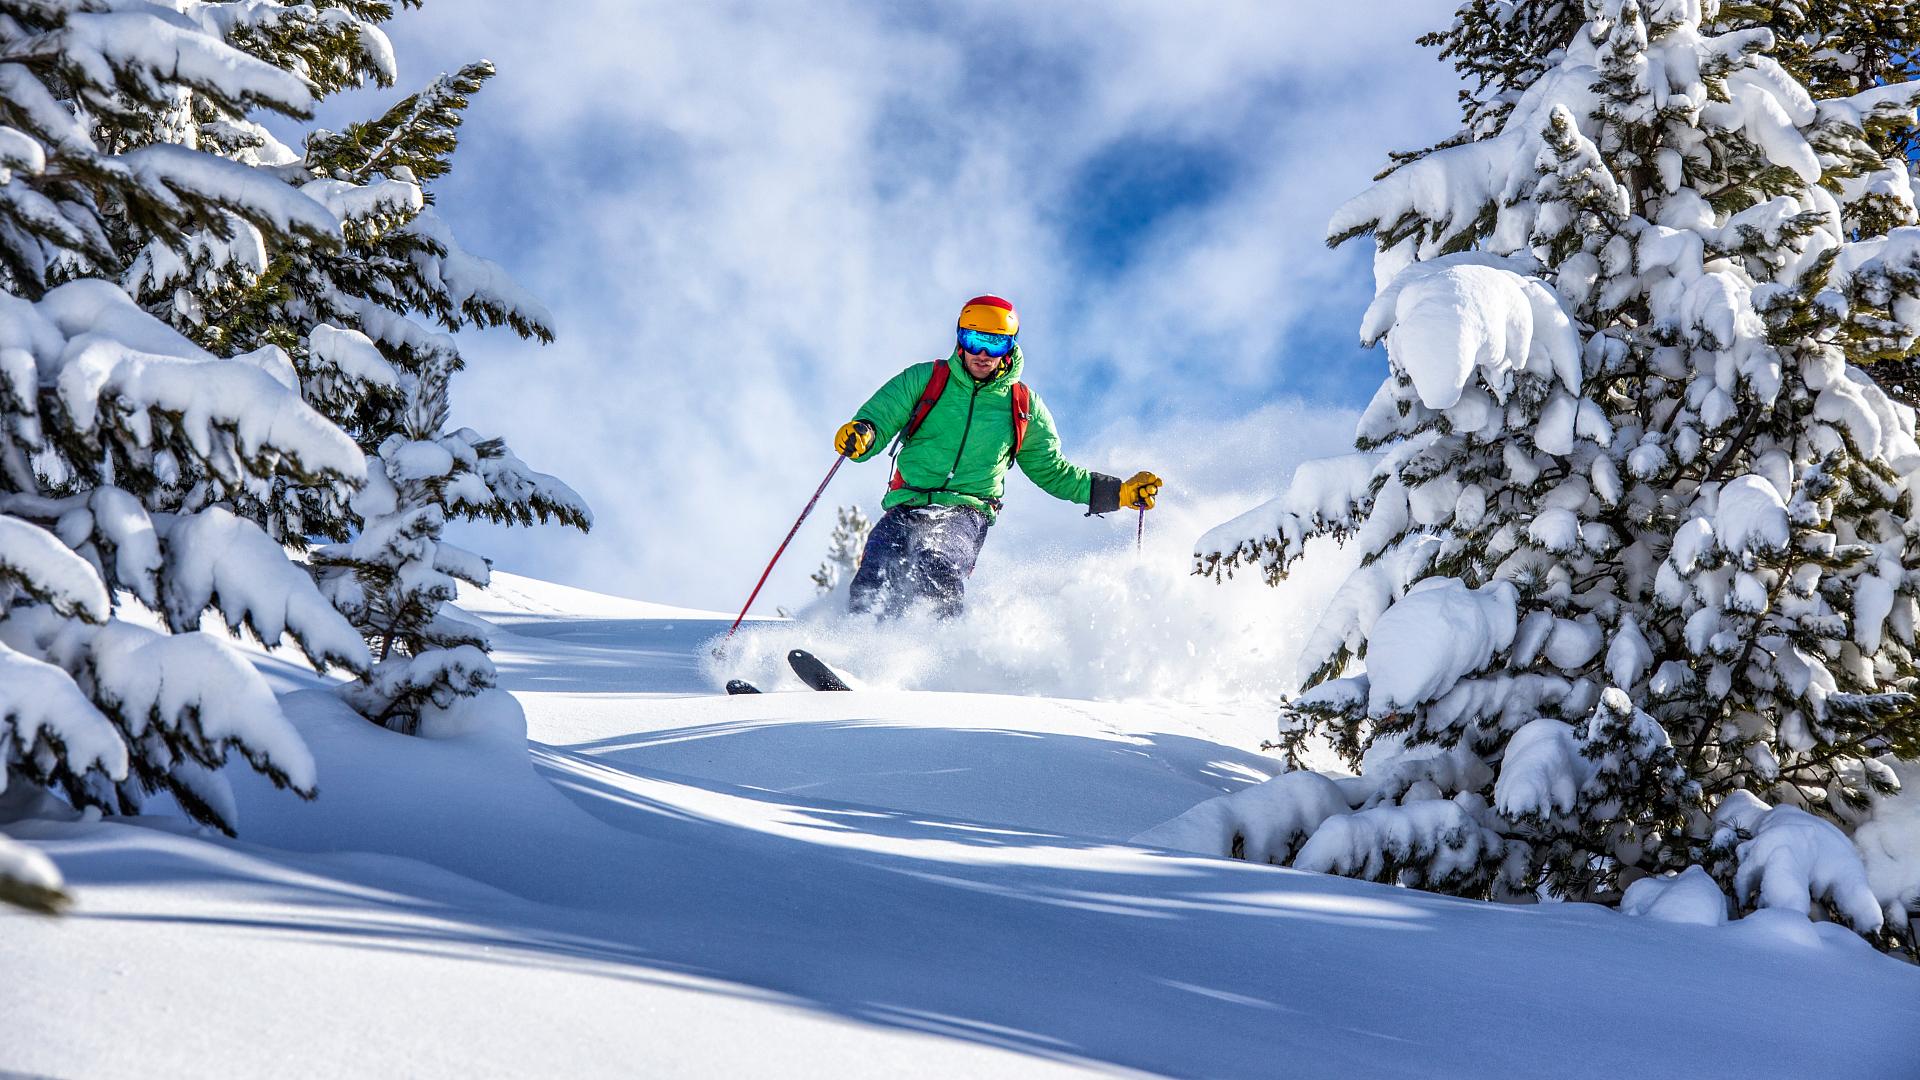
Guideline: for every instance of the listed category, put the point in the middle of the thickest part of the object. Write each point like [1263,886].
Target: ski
[741,686]
[813,672]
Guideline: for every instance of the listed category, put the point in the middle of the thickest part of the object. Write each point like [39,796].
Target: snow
[1542,772]
[218,560]
[1751,516]
[1794,858]
[352,354]
[1100,626]
[1437,836]
[1324,495]
[523,492]
[114,363]
[1448,320]
[49,569]
[359,202]
[1556,529]
[273,360]
[1267,822]
[197,679]
[24,866]
[468,280]
[1889,842]
[166,48]
[41,709]
[168,171]
[1439,632]
[667,881]
[1690,896]
[1769,121]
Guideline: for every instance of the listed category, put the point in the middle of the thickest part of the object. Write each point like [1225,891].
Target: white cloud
[747,216]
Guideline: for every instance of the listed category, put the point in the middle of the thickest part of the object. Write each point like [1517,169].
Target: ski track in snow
[880,883]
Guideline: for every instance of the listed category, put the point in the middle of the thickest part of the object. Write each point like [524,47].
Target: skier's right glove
[1140,490]
[855,438]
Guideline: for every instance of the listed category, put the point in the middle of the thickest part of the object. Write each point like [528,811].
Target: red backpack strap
[1022,412]
[936,385]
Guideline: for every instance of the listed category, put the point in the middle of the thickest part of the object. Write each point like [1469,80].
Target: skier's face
[979,364]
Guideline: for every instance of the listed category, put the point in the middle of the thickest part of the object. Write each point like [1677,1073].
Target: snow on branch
[1690,897]
[43,715]
[1439,632]
[1790,859]
[168,173]
[202,698]
[217,560]
[1434,844]
[1450,320]
[36,562]
[116,367]
[142,53]
[466,289]
[1325,498]
[1264,823]
[517,493]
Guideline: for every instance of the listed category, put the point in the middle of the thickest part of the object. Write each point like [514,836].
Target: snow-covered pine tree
[1834,48]
[346,324]
[402,263]
[850,528]
[394,577]
[1638,560]
[123,445]
[341,315]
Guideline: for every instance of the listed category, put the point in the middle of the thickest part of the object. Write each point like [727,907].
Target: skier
[962,422]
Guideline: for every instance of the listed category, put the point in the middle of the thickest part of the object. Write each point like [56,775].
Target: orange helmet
[989,315]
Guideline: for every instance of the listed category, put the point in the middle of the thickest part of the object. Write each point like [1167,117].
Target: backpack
[936,385]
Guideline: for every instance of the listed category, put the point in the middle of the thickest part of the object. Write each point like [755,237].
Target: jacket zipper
[964,433]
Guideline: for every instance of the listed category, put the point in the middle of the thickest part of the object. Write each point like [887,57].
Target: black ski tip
[813,672]
[741,686]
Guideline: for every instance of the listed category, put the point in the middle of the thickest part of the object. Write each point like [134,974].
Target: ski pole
[837,462]
[1140,531]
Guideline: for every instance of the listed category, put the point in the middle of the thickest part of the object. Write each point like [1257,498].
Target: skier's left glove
[1140,490]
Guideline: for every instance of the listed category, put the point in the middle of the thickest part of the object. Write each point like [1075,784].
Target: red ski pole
[837,462]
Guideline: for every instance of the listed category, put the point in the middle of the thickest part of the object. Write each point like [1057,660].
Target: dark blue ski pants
[918,553]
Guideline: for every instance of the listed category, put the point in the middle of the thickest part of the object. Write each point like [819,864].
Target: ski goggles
[979,341]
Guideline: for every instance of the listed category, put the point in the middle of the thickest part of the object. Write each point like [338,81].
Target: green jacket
[961,453]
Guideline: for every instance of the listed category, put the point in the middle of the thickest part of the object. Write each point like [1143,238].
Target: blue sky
[746,216]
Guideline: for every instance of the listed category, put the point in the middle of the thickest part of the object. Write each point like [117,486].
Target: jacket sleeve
[1040,459]
[891,405]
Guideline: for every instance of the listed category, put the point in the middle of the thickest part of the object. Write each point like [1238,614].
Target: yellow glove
[855,438]
[1139,491]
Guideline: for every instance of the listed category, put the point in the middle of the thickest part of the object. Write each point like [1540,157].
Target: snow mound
[1889,842]
[1690,896]
[27,877]
[1794,858]
[1438,836]
[1264,823]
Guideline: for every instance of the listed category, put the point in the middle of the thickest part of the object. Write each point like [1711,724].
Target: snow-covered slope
[666,882]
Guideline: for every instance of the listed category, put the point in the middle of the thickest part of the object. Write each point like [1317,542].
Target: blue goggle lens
[979,341]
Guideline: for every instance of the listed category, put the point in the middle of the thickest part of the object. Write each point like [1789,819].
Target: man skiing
[962,422]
